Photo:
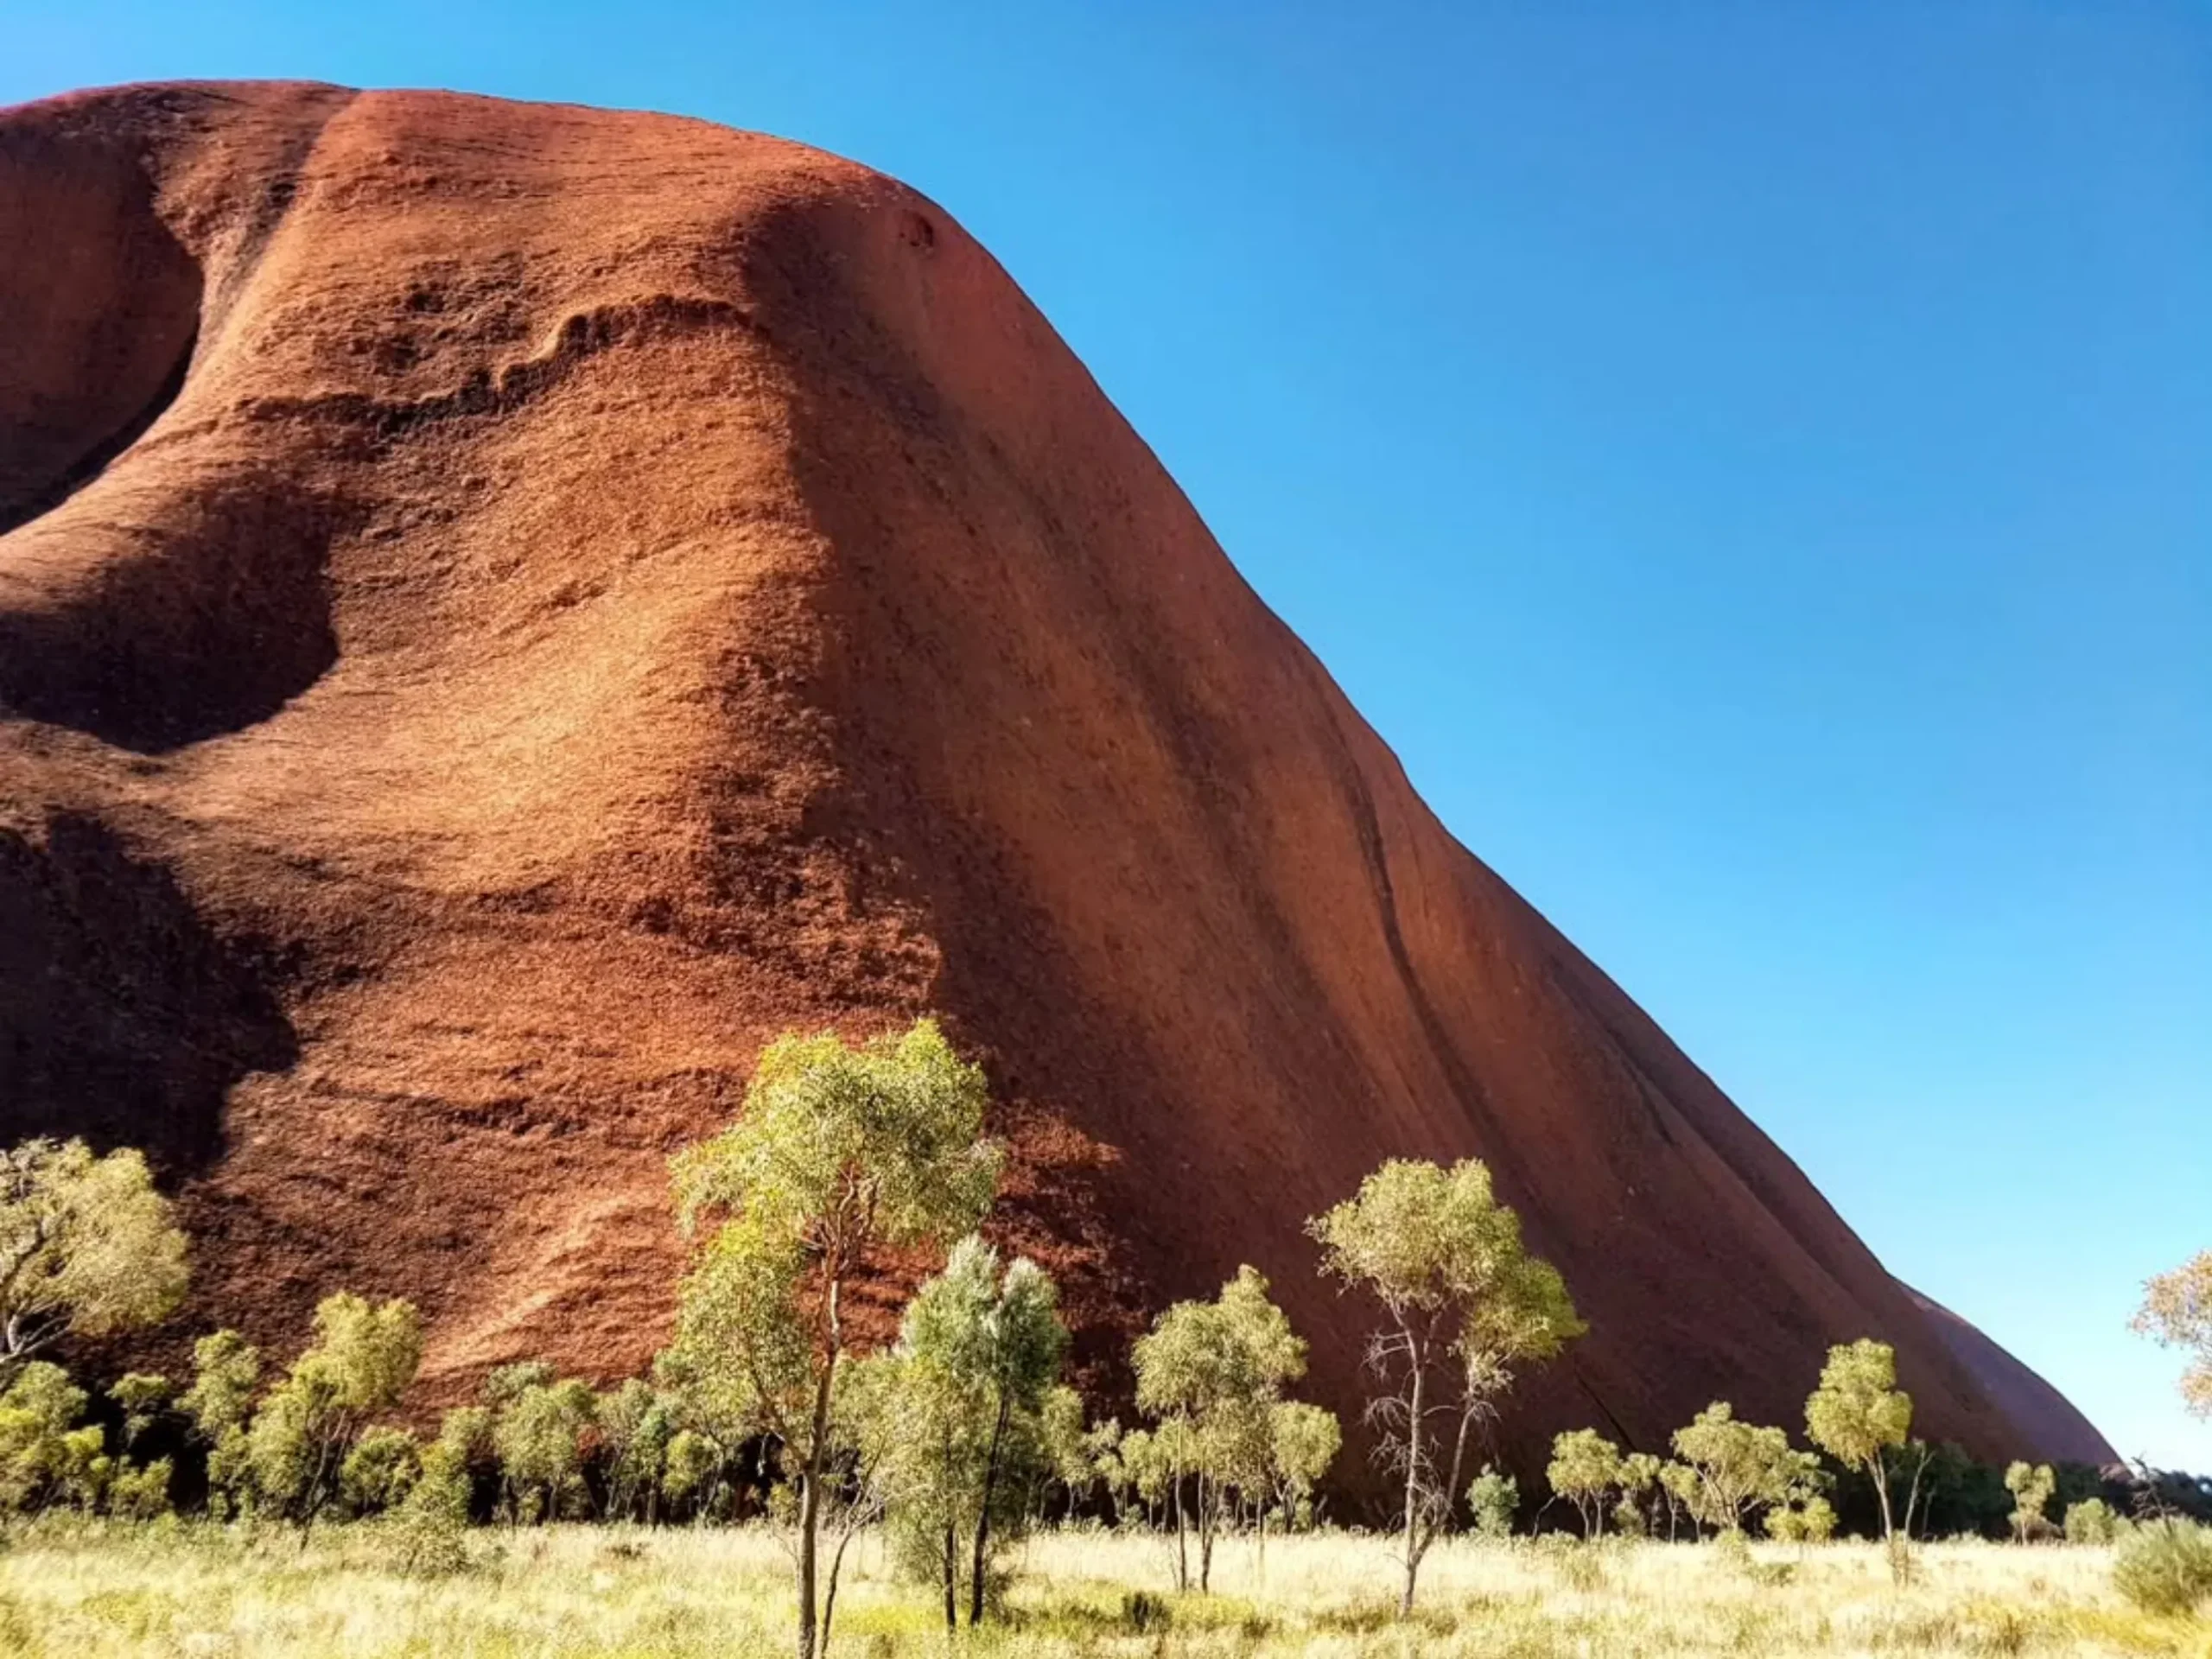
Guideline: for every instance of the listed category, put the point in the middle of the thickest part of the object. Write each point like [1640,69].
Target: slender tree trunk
[829,1594]
[809,1509]
[984,1515]
[1209,1506]
[951,1580]
[1182,1552]
[1414,1433]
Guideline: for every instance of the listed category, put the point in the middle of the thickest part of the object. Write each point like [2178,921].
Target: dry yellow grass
[92,1593]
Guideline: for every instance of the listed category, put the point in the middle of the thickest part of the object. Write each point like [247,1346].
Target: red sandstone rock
[504,608]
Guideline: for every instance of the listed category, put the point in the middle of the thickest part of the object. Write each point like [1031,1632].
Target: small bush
[1580,1563]
[2092,1521]
[1142,1612]
[2165,1567]
[139,1494]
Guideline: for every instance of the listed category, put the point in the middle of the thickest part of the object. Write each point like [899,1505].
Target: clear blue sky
[1753,463]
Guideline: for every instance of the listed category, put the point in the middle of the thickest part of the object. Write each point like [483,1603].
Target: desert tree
[45,1456]
[635,1425]
[225,1376]
[430,1522]
[1465,1307]
[1493,1497]
[979,1351]
[540,1424]
[2177,1312]
[2031,1486]
[1064,1455]
[1639,1483]
[839,1152]
[1808,1520]
[1734,1468]
[87,1247]
[1585,1469]
[361,1362]
[694,1459]
[1859,1416]
[1102,1448]
[1303,1441]
[143,1396]
[1211,1372]
[380,1471]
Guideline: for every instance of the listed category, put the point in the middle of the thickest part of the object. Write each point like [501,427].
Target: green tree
[1303,1442]
[87,1247]
[1734,1467]
[362,1360]
[140,1492]
[1070,1460]
[380,1471]
[143,1396]
[2177,1312]
[1212,1372]
[226,1374]
[2031,1486]
[45,1456]
[693,1459]
[429,1524]
[1465,1307]
[1859,1415]
[1639,1482]
[979,1351]
[1585,1469]
[1494,1497]
[1811,1521]
[2092,1521]
[539,1424]
[635,1427]
[839,1152]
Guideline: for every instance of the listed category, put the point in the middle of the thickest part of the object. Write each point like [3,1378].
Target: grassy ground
[95,1592]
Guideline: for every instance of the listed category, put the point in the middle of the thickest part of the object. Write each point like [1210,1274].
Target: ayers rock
[505,608]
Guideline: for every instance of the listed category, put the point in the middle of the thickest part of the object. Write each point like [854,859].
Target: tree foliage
[1493,1497]
[1213,1374]
[2032,1486]
[1585,1469]
[1465,1307]
[360,1362]
[840,1150]
[87,1247]
[2177,1312]
[963,1416]
[45,1456]
[539,1423]
[1734,1469]
[1857,1415]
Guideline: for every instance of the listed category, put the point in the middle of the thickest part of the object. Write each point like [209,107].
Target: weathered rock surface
[504,608]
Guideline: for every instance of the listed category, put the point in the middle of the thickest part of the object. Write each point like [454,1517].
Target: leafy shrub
[139,1494]
[2092,1521]
[2165,1567]
[1494,1497]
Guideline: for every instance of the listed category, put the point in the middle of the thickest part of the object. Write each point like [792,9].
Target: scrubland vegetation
[774,1482]
[88,1591]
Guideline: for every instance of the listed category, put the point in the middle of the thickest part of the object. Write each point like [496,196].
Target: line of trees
[960,1435]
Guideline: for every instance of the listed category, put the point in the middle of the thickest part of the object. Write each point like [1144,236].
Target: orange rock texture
[505,608]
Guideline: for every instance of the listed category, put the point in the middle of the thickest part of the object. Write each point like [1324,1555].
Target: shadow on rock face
[154,636]
[124,1017]
[146,628]
[101,308]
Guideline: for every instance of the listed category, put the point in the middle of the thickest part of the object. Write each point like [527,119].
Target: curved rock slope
[503,609]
